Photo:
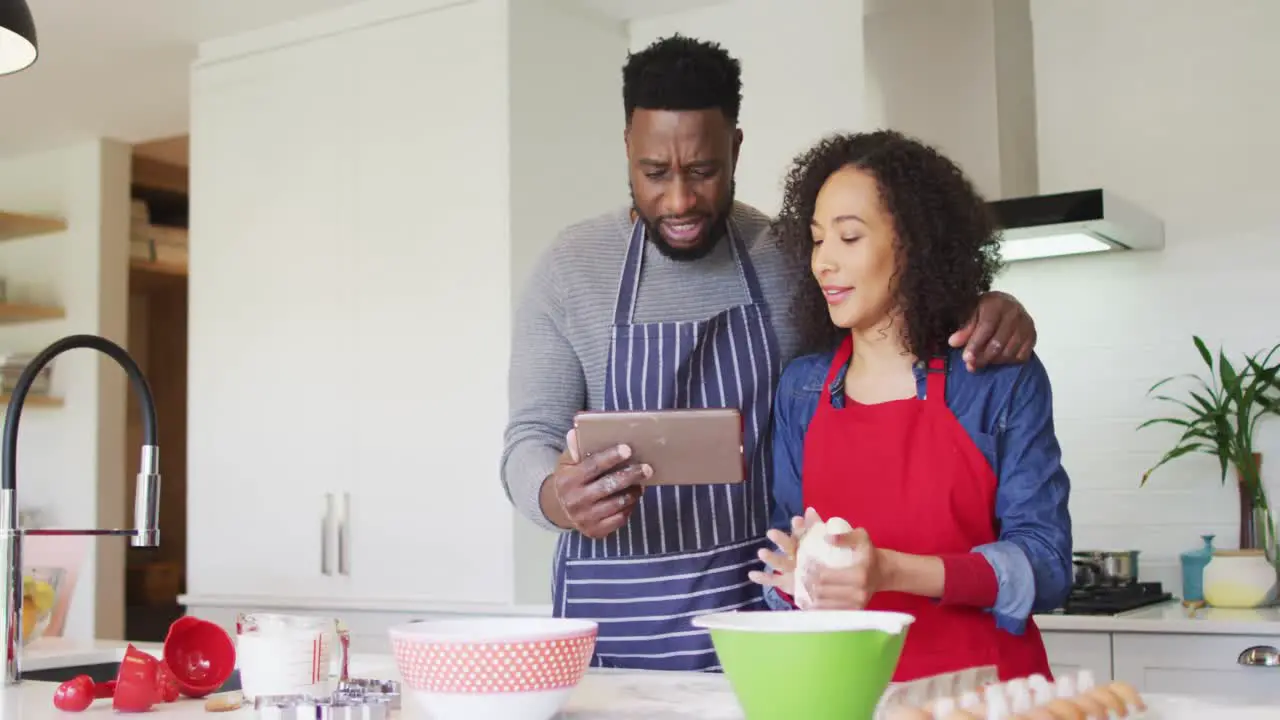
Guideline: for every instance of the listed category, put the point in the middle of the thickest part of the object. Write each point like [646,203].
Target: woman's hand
[784,561]
[848,588]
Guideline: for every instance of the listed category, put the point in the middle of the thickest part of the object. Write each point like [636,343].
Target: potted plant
[1222,415]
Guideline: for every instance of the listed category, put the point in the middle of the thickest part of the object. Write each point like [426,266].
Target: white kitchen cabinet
[1195,665]
[266,252]
[329,260]
[351,288]
[1071,652]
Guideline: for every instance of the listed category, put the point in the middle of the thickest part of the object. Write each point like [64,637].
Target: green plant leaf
[1223,412]
[1171,378]
[1230,380]
[1195,411]
[1166,421]
[1204,351]
[1173,454]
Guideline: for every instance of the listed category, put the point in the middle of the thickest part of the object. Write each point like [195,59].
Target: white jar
[1242,579]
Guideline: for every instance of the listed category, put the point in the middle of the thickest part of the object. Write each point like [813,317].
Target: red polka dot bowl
[497,668]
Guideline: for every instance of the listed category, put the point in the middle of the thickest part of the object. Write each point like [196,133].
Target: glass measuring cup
[289,654]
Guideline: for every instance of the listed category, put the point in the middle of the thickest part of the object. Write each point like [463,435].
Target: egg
[1129,694]
[1038,683]
[972,701]
[1090,706]
[1110,700]
[1064,710]
[1084,680]
[906,712]
[814,551]
[996,701]
[943,707]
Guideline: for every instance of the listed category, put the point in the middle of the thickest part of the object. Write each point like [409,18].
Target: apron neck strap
[843,353]
[935,381]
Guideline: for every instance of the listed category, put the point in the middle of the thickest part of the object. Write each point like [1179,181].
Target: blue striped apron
[685,551]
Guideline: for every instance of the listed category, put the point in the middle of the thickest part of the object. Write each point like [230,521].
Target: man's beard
[715,230]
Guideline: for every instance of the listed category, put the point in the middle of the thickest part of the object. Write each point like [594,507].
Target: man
[679,301]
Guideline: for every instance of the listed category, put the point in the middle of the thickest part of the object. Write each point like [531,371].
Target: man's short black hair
[681,73]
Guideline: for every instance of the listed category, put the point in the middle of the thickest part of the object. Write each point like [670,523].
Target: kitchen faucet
[146,506]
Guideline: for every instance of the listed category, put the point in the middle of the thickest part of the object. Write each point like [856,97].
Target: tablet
[684,447]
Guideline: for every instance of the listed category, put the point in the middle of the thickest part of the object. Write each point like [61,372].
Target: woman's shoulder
[806,373]
[1000,381]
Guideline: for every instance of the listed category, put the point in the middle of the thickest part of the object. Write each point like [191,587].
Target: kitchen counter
[601,696]
[1166,617]
[1170,618]
[48,653]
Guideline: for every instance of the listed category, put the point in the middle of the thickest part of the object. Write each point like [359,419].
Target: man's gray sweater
[560,342]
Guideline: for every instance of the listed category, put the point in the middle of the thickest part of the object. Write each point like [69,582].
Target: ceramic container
[494,668]
[1193,564]
[1242,579]
[808,664]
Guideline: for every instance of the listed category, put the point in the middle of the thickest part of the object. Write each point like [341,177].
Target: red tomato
[75,694]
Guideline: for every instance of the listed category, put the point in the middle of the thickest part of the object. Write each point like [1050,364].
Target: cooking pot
[1104,568]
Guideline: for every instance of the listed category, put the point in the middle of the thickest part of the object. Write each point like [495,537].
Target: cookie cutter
[388,690]
[336,707]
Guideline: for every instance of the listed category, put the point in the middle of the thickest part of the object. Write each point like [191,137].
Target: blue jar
[1193,562]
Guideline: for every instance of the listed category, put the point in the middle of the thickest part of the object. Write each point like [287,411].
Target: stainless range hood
[961,75]
[1073,223]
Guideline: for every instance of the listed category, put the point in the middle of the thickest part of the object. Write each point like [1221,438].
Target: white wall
[567,162]
[1166,107]
[70,459]
[802,77]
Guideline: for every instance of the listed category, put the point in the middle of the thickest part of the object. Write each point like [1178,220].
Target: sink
[102,672]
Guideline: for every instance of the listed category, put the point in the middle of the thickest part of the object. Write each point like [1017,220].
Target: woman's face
[853,250]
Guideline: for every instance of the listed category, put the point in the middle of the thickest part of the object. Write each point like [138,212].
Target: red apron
[910,474]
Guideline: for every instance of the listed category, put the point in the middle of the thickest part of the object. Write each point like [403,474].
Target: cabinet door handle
[326,531]
[1260,656]
[344,536]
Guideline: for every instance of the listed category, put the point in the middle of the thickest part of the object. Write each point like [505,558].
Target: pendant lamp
[17,37]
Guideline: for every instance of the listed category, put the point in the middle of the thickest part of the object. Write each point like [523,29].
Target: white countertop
[1171,617]
[1167,617]
[601,696]
[48,653]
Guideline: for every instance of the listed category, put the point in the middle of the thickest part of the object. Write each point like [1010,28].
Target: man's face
[681,164]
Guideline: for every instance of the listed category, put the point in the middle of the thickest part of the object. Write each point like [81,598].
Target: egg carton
[919,693]
[977,694]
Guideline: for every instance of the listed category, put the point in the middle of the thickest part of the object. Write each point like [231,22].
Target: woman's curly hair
[947,251]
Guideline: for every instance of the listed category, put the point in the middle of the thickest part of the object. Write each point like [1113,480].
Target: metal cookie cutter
[340,708]
[382,690]
[284,707]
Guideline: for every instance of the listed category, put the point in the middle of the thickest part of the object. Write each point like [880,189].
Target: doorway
[158,291]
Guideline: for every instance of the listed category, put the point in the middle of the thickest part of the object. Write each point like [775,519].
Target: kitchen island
[603,695]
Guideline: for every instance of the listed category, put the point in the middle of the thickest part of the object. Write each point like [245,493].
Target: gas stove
[1113,599]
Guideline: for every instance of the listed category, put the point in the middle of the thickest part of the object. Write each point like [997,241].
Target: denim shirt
[1008,412]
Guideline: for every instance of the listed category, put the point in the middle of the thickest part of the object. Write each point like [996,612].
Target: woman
[952,479]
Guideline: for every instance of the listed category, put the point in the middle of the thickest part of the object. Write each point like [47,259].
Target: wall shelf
[158,268]
[44,401]
[17,225]
[21,312]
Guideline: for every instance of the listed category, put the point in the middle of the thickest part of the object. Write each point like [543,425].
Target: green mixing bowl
[816,664]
